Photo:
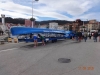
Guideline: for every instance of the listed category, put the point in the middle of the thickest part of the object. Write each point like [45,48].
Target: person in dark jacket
[95,36]
[0,32]
[76,36]
[89,35]
[79,36]
[31,35]
[99,36]
[85,34]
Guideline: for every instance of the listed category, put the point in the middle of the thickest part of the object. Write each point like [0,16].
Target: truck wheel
[71,37]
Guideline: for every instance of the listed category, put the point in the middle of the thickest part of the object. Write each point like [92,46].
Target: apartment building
[43,26]
[93,25]
[60,27]
[53,25]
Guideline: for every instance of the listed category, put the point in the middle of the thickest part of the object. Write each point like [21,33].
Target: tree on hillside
[32,19]
[8,19]
[22,21]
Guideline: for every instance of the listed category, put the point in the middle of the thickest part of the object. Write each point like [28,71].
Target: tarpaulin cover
[28,30]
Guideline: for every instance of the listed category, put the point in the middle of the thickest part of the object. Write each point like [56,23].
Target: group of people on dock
[78,36]
[85,35]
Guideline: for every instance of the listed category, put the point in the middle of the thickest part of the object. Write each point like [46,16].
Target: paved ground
[12,45]
[43,60]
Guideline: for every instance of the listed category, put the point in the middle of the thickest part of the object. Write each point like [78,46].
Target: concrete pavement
[12,45]
[17,45]
[43,60]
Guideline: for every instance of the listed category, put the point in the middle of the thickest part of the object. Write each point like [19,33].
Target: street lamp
[83,26]
[32,13]
[64,27]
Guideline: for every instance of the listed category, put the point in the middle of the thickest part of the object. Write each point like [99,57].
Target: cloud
[15,14]
[76,8]
[51,8]
[20,11]
[90,16]
[72,7]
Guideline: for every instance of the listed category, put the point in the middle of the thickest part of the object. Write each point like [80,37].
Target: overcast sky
[52,9]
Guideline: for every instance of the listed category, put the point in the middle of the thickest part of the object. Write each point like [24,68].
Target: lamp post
[83,26]
[32,13]
[64,27]
[3,23]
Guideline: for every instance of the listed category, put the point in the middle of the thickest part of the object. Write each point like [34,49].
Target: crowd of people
[85,35]
[78,36]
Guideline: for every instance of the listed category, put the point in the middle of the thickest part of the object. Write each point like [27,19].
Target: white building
[93,30]
[42,26]
[53,25]
[93,25]
[60,27]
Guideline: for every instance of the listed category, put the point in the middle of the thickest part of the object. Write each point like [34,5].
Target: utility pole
[3,22]
[98,25]
[83,26]
[32,13]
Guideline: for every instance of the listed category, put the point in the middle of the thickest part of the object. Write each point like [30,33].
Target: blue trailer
[69,34]
[51,35]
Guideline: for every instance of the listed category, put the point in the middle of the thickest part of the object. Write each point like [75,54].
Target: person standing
[31,36]
[2,32]
[76,36]
[99,36]
[42,39]
[35,40]
[95,36]
[85,34]
[80,36]
[89,35]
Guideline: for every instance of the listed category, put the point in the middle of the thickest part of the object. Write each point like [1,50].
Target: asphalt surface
[12,45]
[43,60]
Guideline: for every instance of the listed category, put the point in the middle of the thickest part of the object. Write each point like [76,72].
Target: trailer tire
[52,41]
[71,37]
[56,40]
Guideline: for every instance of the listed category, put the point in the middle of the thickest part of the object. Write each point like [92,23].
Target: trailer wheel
[52,41]
[71,37]
[56,40]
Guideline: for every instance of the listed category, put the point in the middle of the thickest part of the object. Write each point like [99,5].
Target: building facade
[60,27]
[93,25]
[53,25]
[43,26]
